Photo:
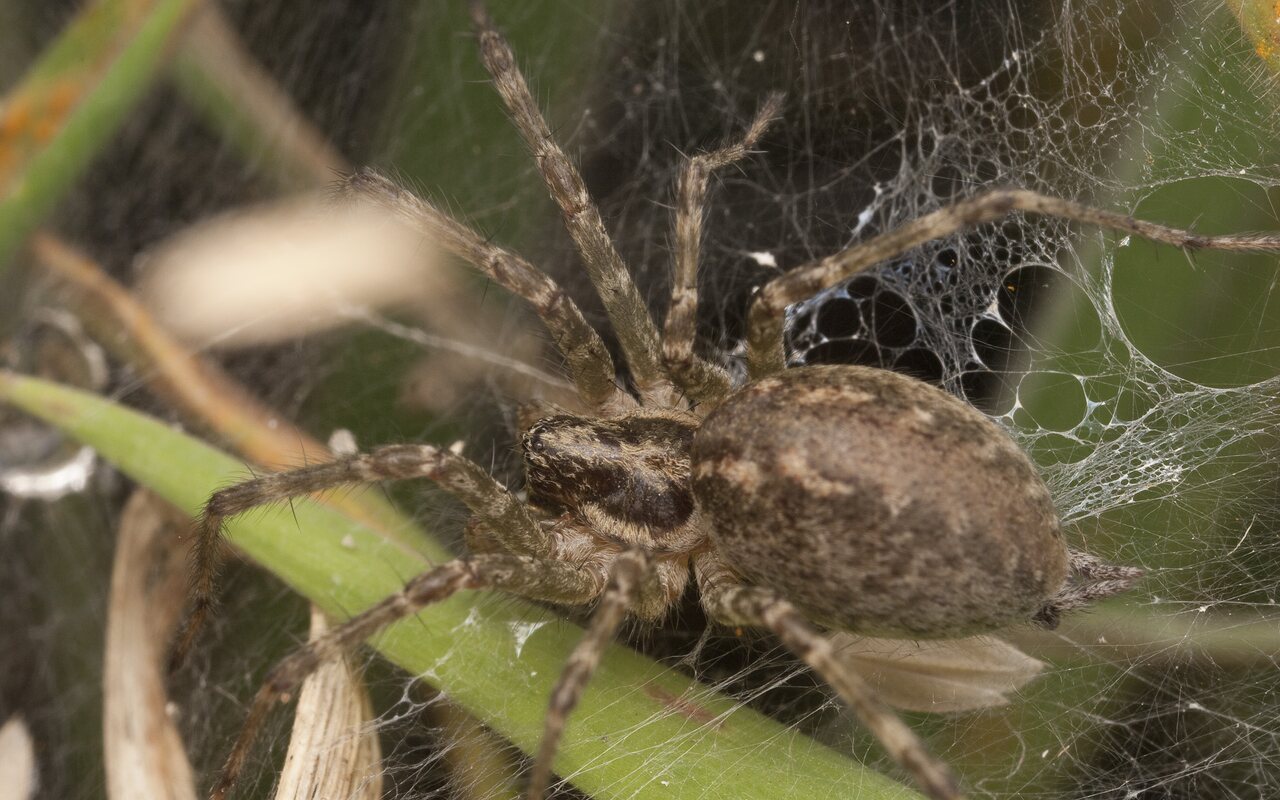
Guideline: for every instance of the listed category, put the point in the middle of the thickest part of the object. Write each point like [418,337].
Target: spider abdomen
[877,504]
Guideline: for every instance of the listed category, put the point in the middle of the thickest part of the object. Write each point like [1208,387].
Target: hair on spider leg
[814,503]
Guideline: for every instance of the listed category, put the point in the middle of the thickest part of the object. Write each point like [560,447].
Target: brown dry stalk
[18,775]
[300,152]
[199,390]
[333,751]
[143,750]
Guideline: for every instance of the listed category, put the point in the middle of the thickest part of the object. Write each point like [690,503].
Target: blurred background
[1142,379]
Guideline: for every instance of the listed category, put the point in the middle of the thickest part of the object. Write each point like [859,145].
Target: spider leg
[627,311]
[626,575]
[764,327]
[731,602]
[536,578]
[702,381]
[588,359]
[462,478]
[1091,579]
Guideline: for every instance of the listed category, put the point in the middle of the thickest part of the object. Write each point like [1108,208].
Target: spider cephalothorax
[811,502]
[626,476]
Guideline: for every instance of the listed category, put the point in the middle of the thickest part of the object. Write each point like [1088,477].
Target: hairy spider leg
[462,478]
[765,321]
[527,576]
[636,332]
[702,381]
[585,354]
[731,602]
[626,575]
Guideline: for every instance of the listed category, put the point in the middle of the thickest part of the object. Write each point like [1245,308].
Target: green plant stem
[1156,637]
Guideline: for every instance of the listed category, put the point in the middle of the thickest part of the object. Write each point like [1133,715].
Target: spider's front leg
[527,576]
[637,334]
[731,602]
[765,323]
[462,478]
[701,380]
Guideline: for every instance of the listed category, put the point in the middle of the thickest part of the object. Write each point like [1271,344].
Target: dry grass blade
[219,77]
[333,751]
[143,751]
[281,270]
[1242,639]
[205,396]
[199,390]
[941,675]
[216,72]
[17,761]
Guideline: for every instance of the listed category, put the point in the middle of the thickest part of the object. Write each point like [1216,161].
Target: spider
[808,502]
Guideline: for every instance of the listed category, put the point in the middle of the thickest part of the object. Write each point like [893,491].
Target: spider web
[1143,382]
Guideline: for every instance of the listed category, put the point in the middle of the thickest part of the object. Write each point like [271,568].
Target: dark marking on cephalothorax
[634,467]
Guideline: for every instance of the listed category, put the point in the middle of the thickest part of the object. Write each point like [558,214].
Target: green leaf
[73,100]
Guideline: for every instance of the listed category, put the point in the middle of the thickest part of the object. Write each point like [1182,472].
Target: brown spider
[811,500]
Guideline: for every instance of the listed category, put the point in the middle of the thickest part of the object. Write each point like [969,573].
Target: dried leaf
[17,761]
[287,269]
[143,751]
[939,675]
[333,752]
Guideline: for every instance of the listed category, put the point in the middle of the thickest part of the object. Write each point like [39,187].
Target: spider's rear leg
[462,478]
[535,578]
[636,332]
[765,323]
[731,602]
[702,381]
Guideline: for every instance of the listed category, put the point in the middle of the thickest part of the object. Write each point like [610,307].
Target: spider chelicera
[810,501]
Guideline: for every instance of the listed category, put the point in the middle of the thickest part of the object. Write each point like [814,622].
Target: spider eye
[533,442]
